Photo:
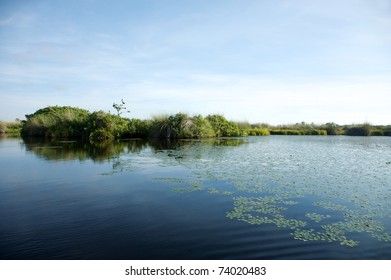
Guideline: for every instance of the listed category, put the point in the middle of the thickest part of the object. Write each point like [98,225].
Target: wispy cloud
[275,61]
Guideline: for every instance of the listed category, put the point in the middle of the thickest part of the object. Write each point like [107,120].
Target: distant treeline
[74,123]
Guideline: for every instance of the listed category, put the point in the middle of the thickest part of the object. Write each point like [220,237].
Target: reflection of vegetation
[261,187]
[266,194]
[72,150]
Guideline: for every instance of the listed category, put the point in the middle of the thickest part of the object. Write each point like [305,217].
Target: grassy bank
[11,129]
[75,123]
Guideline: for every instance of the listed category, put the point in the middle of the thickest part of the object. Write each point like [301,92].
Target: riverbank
[75,123]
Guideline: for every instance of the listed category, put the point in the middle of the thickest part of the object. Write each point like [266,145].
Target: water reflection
[77,150]
[104,151]
[321,189]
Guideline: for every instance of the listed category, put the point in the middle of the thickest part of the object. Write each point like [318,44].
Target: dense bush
[56,122]
[377,132]
[13,129]
[139,128]
[298,132]
[258,132]
[361,130]
[70,122]
[331,128]
[2,127]
[181,126]
[103,126]
[224,128]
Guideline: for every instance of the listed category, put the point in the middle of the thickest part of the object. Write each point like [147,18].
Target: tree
[120,107]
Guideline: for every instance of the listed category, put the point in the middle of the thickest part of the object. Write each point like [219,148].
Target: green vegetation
[258,132]
[56,122]
[360,130]
[11,129]
[74,123]
[224,128]
[2,127]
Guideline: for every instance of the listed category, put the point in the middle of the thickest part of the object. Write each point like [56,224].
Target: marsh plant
[74,123]
[2,127]
[56,122]
[11,129]
[359,130]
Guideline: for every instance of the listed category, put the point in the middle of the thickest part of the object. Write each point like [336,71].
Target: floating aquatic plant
[170,180]
[265,193]
[317,217]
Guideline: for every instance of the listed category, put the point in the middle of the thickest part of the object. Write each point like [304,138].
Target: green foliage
[13,129]
[377,132]
[224,128]
[360,130]
[181,126]
[2,127]
[69,122]
[298,132]
[103,126]
[331,128]
[140,128]
[258,132]
[56,122]
[201,128]
[244,125]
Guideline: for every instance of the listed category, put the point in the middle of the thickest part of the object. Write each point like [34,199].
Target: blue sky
[260,61]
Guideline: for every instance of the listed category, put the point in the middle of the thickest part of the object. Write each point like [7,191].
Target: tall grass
[359,130]
[12,129]
[258,132]
[70,122]
[56,122]
[181,126]
[2,127]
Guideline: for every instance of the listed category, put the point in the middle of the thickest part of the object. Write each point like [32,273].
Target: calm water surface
[277,197]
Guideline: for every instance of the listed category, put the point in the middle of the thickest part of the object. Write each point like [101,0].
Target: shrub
[362,130]
[56,122]
[103,126]
[13,129]
[331,128]
[2,127]
[258,132]
[278,132]
[201,128]
[139,128]
[377,132]
[223,127]
[182,126]
[293,132]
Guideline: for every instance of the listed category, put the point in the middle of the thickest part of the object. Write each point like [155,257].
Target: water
[277,197]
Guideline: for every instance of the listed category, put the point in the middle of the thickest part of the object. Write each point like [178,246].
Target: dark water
[277,197]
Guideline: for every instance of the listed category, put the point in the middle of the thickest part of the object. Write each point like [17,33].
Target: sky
[277,62]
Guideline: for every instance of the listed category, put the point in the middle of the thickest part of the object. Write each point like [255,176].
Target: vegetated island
[74,123]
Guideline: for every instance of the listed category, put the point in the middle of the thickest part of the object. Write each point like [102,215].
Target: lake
[276,197]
